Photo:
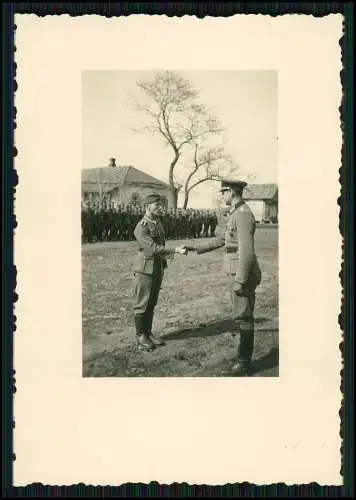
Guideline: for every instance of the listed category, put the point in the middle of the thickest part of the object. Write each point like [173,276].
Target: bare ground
[192,315]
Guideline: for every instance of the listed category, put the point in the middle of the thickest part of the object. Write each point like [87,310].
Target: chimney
[112,162]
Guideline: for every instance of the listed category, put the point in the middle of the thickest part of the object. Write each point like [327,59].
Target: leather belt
[156,258]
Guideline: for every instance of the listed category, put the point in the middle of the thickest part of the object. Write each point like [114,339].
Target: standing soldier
[84,221]
[135,219]
[149,270]
[241,264]
[97,221]
[165,220]
[126,222]
[173,233]
[90,219]
[188,223]
[199,224]
[105,218]
[120,222]
[179,224]
[114,223]
[206,223]
[213,223]
[130,223]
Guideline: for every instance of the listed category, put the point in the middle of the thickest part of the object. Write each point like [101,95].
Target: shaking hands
[181,250]
[189,248]
[184,249]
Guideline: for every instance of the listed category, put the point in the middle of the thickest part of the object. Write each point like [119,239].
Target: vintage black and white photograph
[178,250]
[179,218]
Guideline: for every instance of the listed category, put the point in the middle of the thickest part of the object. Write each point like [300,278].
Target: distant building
[263,201]
[120,184]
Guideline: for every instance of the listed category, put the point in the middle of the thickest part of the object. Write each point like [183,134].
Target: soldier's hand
[182,250]
[238,287]
[189,248]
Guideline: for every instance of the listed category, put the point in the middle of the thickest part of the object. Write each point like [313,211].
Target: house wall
[263,210]
[128,192]
[258,208]
[271,210]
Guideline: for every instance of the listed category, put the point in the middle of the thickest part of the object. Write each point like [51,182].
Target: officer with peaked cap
[240,262]
[149,267]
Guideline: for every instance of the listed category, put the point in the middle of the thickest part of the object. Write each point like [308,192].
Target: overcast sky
[244,101]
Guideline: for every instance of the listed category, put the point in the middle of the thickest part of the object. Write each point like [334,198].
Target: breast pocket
[230,233]
[155,235]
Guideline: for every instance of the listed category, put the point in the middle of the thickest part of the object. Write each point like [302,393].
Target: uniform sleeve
[150,248]
[245,246]
[217,242]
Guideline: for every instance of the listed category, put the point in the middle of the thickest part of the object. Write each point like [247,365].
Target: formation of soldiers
[110,222]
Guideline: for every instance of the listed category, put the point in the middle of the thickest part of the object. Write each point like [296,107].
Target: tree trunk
[173,191]
[186,199]
[173,198]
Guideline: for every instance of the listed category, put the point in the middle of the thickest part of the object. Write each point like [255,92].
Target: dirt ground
[192,315]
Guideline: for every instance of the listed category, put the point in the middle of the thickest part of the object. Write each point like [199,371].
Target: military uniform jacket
[240,257]
[152,255]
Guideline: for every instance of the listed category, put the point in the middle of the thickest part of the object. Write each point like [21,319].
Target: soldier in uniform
[90,219]
[124,230]
[206,218]
[105,221]
[199,225]
[97,229]
[213,223]
[84,219]
[179,223]
[240,262]
[129,223]
[166,222]
[151,262]
[173,224]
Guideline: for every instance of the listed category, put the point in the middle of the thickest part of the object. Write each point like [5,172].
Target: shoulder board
[244,208]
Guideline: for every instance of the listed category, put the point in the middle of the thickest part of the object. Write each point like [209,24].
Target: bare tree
[173,113]
[208,164]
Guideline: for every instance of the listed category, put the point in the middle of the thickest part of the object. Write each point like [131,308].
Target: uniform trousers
[243,308]
[146,293]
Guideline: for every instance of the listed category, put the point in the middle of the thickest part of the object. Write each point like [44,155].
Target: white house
[263,201]
[120,184]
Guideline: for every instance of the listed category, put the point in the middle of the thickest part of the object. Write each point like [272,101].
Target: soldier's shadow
[258,366]
[266,362]
[210,329]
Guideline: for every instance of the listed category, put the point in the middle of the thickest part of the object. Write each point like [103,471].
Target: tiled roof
[260,191]
[112,177]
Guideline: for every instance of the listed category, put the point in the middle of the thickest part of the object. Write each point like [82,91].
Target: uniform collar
[236,206]
[149,220]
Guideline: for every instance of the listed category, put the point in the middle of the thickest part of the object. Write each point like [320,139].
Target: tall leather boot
[143,342]
[148,324]
[242,365]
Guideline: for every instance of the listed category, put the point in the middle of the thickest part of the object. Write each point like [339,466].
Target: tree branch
[195,169]
[168,131]
[200,181]
[174,114]
[161,130]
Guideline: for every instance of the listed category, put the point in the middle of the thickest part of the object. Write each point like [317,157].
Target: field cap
[153,198]
[232,184]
